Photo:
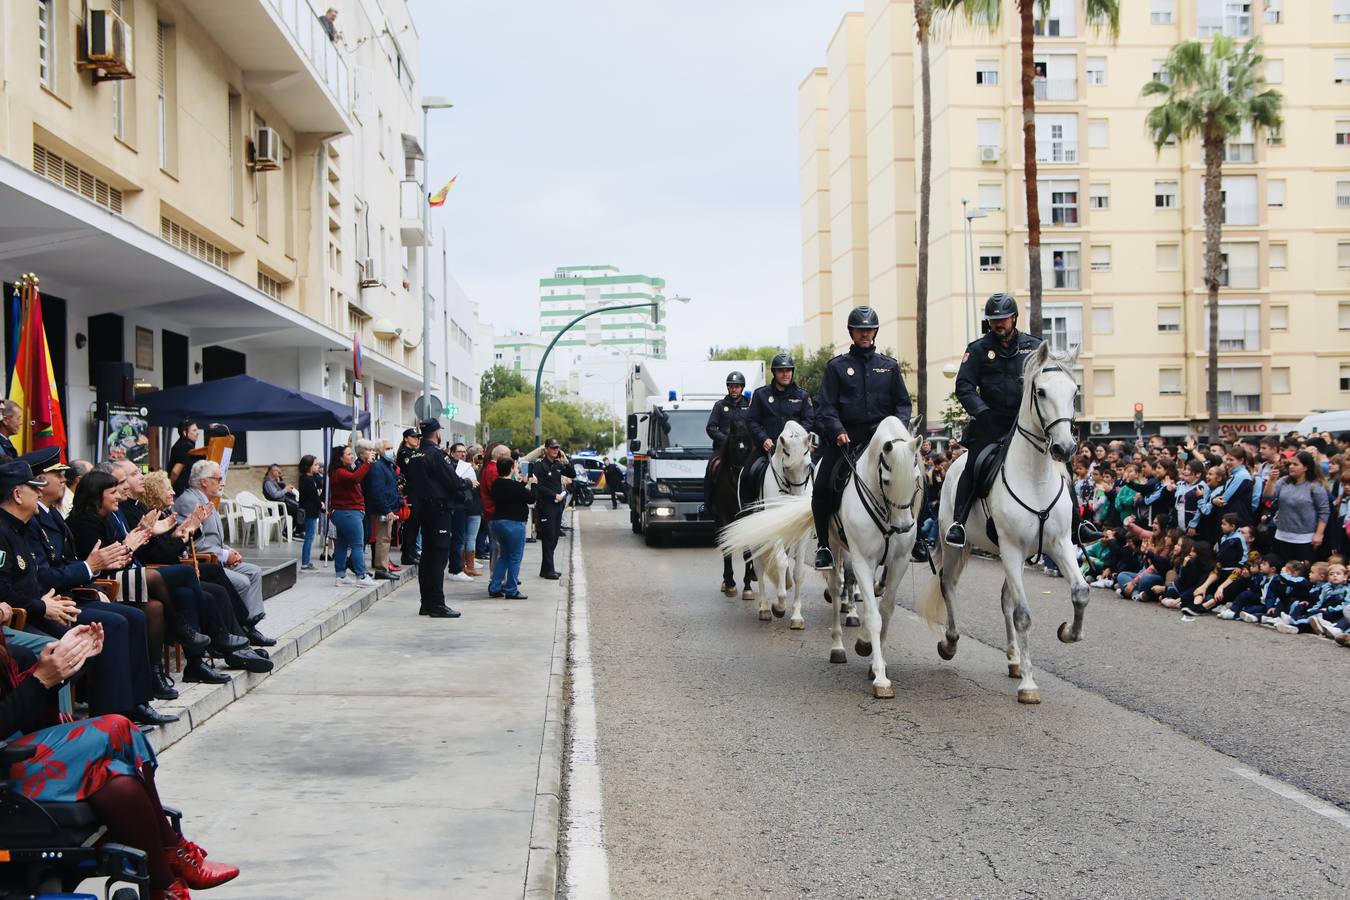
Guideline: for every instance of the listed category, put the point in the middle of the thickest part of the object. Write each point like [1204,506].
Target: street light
[539,375]
[969,312]
[428,104]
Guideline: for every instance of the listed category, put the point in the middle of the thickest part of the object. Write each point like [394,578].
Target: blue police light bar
[670,395]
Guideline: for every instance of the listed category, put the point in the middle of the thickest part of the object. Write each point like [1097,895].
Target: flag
[33,385]
[438,198]
[16,317]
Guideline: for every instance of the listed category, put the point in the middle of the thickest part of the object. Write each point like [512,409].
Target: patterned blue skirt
[76,759]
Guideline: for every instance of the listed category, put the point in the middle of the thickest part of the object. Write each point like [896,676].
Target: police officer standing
[777,403]
[549,470]
[860,388]
[432,484]
[989,386]
[408,534]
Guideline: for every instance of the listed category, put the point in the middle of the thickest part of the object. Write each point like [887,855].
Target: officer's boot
[822,512]
[965,488]
[1084,531]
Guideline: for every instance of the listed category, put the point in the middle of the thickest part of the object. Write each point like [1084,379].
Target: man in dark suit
[11,421]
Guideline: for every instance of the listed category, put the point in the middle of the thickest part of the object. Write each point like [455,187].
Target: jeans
[510,537]
[484,540]
[351,532]
[311,525]
[459,521]
[1146,580]
[471,524]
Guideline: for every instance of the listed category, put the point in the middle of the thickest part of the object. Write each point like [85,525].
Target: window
[1343,254]
[1230,17]
[1060,267]
[1062,326]
[1099,196]
[1279,380]
[1274,11]
[1343,316]
[987,133]
[1100,259]
[1241,148]
[1160,72]
[986,72]
[1059,22]
[1240,389]
[1239,265]
[1342,132]
[1163,12]
[1056,77]
[1169,381]
[1239,326]
[1056,138]
[991,258]
[1274,137]
[1275,193]
[1167,257]
[1274,71]
[236,125]
[1342,70]
[1096,70]
[1239,200]
[991,197]
[1340,11]
[1279,317]
[119,93]
[1104,383]
[1058,201]
[46,35]
[1279,255]
[1103,320]
[1098,129]
[1169,319]
[161,109]
[1164,194]
[1343,195]
[1345,377]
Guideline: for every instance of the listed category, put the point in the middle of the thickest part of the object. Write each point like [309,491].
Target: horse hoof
[1065,633]
[828,598]
[747,594]
[779,612]
[1014,670]
[764,615]
[946,651]
[838,656]
[797,624]
[729,589]
[881,692]
[852,621]
[862,648]
[1029,696]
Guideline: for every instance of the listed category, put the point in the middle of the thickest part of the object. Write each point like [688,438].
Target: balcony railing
[302,20]
[1242,277]
[1056,88]
[1057,152]
[1064,279]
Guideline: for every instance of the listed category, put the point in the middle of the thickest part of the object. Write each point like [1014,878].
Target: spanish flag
[33,381]
[438,198]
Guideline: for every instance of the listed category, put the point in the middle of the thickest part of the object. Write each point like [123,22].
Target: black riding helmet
[735,378]
[863,317]
[1000,306]
[783,361]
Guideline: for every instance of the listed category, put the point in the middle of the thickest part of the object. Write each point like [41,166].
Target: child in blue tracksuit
[1286,589]
[1330,617]
[1252,597]
[1229,553]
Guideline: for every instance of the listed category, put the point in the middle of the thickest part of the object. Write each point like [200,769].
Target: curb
[541,869]
[289,648]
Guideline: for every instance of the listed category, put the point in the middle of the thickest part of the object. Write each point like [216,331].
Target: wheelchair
[48,849]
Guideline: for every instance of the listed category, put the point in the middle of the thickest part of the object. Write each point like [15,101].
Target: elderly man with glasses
[204,484]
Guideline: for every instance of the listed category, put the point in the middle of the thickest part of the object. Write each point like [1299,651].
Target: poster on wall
[129,435]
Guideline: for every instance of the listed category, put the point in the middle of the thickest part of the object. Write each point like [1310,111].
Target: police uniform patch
[3,556]
[726,409]
[991,354]
[770,399]
[850,371]
[22,563]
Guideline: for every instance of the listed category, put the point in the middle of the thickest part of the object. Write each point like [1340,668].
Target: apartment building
[1122,225]
[225,188]
[632,332]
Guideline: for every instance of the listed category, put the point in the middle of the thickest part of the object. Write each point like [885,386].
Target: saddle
[751,477]
[987,463]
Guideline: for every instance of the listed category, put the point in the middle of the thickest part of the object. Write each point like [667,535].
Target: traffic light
[1138,415]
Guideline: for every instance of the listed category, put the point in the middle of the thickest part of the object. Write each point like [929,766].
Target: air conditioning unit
[107,43]
[266,150]
[368,276]
[989,153]
[1101,428]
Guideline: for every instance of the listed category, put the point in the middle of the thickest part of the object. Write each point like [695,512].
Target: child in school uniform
[1284,590]
[1253,596]
[1229,553]
[1329,616]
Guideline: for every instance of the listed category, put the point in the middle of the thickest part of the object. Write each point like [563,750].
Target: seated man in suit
[203,488]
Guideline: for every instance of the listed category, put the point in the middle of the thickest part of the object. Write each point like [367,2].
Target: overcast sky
[655,135]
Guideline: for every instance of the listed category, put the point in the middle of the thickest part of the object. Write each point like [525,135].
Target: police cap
[430,427]
[864,317]
[48,459]
[14,472]
[411,432]
[552,444]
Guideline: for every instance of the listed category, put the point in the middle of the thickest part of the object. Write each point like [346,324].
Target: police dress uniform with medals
[549,473]
[432,487]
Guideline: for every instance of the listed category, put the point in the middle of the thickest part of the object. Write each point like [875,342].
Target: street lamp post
[969,313]
[539,375]
[428,104]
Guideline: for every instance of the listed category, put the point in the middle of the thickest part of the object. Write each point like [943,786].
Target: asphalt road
[736,761]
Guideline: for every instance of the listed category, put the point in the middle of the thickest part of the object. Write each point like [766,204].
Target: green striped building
[574,289]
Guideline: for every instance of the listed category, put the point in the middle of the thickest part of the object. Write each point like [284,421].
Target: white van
[1336,422]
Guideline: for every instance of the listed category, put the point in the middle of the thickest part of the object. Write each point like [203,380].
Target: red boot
[175,891]
[188,862]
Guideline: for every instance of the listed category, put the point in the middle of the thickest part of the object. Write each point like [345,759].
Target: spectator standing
[349,512]
[474,522]
[511,500]
[485,480]
[275,488]
[383,501]
[1302,509]
[459,513]
[410,539]
[180,455]
[311,501]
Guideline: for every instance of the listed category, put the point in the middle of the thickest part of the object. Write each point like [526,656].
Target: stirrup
[956,535]
[824,559]
[1088,533]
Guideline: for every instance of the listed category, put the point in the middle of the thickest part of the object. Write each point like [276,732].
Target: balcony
[286,58]
[410,202]
[1054,89]
[1057,152]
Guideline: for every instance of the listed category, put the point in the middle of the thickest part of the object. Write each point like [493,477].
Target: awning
[244,403]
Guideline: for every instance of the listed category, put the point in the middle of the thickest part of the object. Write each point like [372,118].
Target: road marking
[1289,792]
[587,872]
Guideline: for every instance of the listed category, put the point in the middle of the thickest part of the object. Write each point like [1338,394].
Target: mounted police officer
[432,489]
[860,388]
[989,386]
[777,403]
[727,414]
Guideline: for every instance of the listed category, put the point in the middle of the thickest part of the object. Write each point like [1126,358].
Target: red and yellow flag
[438,198]
[33,385]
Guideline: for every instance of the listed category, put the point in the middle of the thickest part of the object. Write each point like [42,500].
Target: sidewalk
[402,757]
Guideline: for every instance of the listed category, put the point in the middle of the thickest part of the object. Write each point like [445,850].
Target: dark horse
[725,506]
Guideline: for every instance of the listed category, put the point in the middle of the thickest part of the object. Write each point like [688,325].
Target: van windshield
[680,434]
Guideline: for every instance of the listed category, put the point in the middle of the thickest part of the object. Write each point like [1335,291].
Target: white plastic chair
[231,520]
[264,521]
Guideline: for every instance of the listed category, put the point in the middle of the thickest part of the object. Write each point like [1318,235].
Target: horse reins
[878,510]
[1042,445]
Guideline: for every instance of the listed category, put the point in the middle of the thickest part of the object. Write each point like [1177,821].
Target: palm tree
[1210,95]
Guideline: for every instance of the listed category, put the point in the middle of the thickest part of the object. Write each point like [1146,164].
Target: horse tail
[787,521]
[932,607]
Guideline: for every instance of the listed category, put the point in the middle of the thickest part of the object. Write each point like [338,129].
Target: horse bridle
[1042,441]
[879,510]
[786,484]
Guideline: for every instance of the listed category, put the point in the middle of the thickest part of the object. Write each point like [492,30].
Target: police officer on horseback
[777,403]
[989,386]
[727,415]
[859,389]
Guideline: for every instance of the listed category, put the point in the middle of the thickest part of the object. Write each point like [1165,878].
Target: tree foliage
[498,382]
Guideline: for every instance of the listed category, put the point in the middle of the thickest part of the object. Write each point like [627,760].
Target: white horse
[878,514]
[1031,505]
[787,474]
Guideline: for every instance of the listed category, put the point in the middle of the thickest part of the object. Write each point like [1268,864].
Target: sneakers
[1227,614]
[1249,618]
[344,581]
[1138,596]
[1270,620]
[1286,628]
[308,567]
[1102,583]
[458,576]
[1315,623]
